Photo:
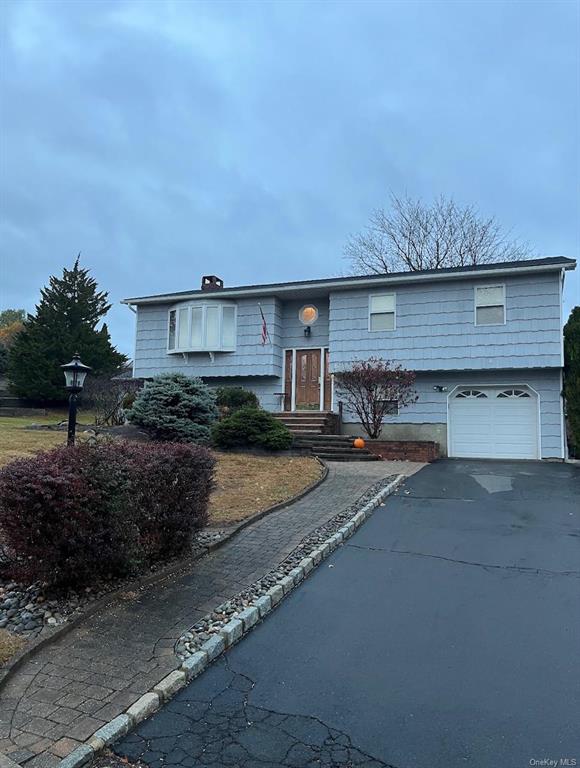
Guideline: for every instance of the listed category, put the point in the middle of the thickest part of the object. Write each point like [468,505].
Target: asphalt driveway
[445,633]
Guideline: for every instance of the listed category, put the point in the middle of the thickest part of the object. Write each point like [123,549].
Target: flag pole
[265,332]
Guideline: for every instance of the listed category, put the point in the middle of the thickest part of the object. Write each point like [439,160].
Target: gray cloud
[165,140]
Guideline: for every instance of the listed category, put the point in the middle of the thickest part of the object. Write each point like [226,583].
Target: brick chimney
[211,283]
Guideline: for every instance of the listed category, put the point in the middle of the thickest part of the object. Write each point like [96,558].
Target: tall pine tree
[65,322]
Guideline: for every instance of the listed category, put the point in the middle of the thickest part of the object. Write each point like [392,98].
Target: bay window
[202,327]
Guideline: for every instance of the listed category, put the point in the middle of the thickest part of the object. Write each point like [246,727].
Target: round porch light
[308,315]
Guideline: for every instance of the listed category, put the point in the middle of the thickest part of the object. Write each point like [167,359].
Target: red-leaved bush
[371,388]
[73,516]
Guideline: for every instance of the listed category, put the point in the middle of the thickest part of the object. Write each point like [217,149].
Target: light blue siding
[251,358]
[431,407]
[435,335]
[435,328]
[293,330]
[267,389]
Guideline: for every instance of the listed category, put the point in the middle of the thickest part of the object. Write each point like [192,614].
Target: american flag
[265,334]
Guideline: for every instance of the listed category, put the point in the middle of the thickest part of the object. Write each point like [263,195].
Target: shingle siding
[431,407]
[267,389]
[435,335]
[435,328]
[293,330]
[251,358]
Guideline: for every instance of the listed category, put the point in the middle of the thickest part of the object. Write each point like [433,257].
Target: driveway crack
[226,729]
[475,564]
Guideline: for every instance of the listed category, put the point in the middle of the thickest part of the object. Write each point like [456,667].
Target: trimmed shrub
[250,426]
[175,407]
[73,516]
[230,399]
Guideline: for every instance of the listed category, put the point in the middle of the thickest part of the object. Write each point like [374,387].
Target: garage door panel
[483,425]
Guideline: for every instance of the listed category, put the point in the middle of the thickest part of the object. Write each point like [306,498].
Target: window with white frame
[382,308]
[202,327]
[490,304]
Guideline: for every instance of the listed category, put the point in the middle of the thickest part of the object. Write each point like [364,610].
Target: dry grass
[247,484]
[16,441]
[9,644]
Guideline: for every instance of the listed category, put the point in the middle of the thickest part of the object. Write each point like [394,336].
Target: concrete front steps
[315,432]
[332,447]
[309,422]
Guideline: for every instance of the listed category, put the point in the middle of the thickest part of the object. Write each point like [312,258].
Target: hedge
[74,516]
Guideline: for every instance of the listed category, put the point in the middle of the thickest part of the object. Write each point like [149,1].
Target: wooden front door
[308,379]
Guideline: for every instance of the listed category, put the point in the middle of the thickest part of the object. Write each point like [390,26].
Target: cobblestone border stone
[276,582]
[50,635]
[231,631]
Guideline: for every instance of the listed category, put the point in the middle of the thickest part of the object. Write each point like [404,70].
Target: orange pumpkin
[359,443]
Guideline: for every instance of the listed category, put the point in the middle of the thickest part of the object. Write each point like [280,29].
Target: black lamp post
[74,373]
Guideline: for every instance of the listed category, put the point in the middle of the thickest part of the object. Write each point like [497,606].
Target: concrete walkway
[68,690]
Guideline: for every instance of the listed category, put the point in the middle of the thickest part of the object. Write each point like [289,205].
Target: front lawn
[16,441]
[246,483]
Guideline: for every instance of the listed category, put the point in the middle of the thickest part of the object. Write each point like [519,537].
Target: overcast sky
[168,140]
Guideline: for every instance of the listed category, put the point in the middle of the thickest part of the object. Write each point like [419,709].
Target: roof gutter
[341,284]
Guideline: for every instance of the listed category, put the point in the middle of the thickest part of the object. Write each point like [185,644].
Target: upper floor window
[382,308]
[490,304]
[202,327]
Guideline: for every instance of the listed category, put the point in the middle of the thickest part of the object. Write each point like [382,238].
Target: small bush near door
[230,399]
[249,427]
[74,516]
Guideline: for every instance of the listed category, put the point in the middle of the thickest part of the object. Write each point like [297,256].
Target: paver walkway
[68,690]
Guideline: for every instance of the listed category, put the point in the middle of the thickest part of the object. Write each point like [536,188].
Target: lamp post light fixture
[74,373]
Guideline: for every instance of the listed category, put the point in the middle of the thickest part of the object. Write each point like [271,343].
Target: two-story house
[485,342]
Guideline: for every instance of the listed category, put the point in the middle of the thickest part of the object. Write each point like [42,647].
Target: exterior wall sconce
[307,331]
[439,388]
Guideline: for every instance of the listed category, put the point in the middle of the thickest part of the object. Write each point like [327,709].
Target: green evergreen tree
[572,379]
[65,322]
[175,407]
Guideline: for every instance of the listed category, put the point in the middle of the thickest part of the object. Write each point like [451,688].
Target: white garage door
[493,423]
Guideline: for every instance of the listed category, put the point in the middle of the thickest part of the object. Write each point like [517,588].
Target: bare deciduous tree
[413,235]
[371,387]
[109,397]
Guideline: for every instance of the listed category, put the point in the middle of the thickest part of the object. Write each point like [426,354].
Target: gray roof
[342,283]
